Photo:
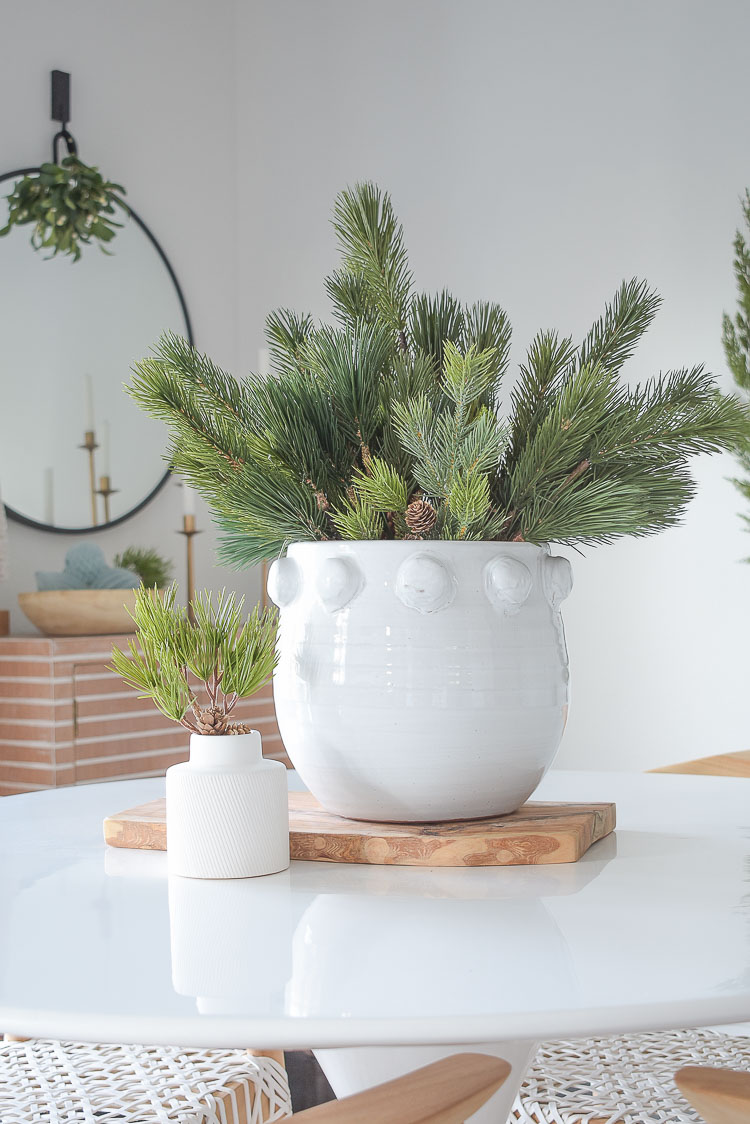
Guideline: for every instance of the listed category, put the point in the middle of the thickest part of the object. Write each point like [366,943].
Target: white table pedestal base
[351,1070]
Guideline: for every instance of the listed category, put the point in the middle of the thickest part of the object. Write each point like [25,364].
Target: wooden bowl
[79,612]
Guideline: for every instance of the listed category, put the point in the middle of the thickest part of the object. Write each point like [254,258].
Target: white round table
[651,929]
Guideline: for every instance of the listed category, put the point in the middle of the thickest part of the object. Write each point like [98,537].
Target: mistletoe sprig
[230,656]
[69,205]
[388,424]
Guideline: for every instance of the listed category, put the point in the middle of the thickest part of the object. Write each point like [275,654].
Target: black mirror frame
[16,515]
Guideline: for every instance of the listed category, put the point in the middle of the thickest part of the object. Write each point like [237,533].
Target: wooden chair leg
[721,1096]
[276,1056]
[446,1092]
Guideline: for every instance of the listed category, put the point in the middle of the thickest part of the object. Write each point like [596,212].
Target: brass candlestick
[89,443]
[105,490]
[189,529]
[264,584]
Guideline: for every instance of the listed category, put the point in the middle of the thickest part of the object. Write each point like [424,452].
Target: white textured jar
[227,810]
[421,681]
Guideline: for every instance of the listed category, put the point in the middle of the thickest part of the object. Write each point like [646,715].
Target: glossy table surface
[651,929]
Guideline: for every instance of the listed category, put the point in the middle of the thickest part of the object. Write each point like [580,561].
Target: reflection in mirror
[69,332]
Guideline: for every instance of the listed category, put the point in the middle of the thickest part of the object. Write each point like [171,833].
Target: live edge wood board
[537,833]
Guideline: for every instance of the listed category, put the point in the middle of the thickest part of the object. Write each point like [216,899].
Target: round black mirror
[70,331]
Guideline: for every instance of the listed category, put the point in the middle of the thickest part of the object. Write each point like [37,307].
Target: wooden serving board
[537,833]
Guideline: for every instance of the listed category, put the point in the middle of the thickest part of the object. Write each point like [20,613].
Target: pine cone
[211,721]
[420,517]
[239,728]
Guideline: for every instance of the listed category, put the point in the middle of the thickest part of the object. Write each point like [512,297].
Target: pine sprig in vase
[398,405]
[231,656]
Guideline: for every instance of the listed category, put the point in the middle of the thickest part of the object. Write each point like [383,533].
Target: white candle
[105,448]
[49,497]
[188,500]
[264,361]
[88,383]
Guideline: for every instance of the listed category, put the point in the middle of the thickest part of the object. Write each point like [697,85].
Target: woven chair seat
[43,1082]
[623,1080]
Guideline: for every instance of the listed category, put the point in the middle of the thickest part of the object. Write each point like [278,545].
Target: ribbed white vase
[227,810]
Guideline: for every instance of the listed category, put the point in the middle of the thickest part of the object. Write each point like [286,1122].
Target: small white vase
[227,810]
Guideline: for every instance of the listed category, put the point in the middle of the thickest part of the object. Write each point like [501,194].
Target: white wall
[153,104]
[538,153]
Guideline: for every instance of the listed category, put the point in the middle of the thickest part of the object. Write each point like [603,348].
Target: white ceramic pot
[421,681]
[227,810]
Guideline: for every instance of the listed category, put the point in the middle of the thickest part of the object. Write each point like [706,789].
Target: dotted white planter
[227,810]
[421,680]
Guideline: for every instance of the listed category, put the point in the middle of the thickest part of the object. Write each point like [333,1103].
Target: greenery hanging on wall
[69,205]
[736,338]
[388,426]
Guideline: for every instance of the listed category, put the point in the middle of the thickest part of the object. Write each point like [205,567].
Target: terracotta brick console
[66,719]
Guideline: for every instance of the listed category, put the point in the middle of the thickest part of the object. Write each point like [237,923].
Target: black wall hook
[61,97]
[61,113]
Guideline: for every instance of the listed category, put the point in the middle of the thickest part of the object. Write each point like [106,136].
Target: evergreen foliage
[232,657]
[387,425]
[68,206]
[736,338]
[150,566]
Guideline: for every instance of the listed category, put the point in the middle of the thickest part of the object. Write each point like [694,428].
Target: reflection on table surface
[648,918]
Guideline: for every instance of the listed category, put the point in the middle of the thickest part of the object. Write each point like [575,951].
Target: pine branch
[487,328]
[203,403]
[350,364]
[678,415]
[384,489]
[372,242]
[231,657]
[433,321]
[286,332]
[469,504]
[484,442]
[415,426]
[737,351]
[614,336]
[549,363]
[219,390]
[295,412]
[736,337]
[596,509]
[357,520]
[388,425]
[467,377]
[563,438]
[351,298]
